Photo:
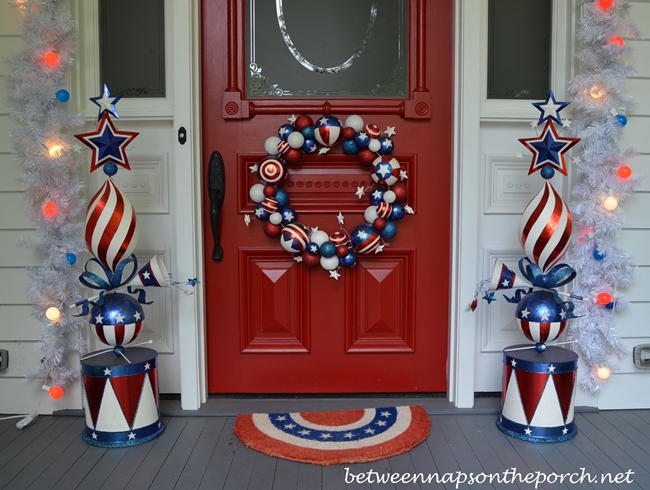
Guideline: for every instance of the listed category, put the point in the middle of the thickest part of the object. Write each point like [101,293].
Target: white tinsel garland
[48,176]
[603,74]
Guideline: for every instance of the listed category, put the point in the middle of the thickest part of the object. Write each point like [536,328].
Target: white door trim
[188,171]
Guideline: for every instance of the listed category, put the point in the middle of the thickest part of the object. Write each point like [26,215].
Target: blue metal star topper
[107,144]
[550,109]
[548,149]
[106,103]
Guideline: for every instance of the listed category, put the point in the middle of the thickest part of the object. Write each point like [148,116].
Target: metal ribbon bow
[114,280]
[558,276]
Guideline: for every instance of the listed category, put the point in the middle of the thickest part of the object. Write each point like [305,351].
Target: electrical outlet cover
[641,355]
[4,359]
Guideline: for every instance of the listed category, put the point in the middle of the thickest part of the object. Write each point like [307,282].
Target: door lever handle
[216,191]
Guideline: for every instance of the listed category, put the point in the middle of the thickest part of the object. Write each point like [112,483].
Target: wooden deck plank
[461,449]
[624,452]
[334,477]
[423,463]
[500,444]
[28,454]
[7,424]
[443,457]
[55,471]
[599,462]
[561,465]
[534,460]
[79,470]
[196,466]
[103,469]
[174,463]
[220,462]
[382,467]
[401,463]
[643,414]
[310,477]
[157,455]
[478,442]
[14,441]
[636,429]
[263,472]
[41,461]
[240,469]
[286,475]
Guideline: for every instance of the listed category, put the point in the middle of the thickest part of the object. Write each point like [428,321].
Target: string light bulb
[51,59]
[604,298]
[50,210]
[617,41]
[55,150]
[55,392]
[53,314]
[611,203]
[603,372]
[605,4]
[597,92]
[624,172]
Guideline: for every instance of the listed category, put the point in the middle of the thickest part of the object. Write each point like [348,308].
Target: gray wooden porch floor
[198,450]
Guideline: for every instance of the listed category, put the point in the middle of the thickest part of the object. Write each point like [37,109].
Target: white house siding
[19,331]
[630,388]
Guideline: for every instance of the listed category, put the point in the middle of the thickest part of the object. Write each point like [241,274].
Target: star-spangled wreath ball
[388,196]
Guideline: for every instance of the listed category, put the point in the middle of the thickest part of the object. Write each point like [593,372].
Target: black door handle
[216,191]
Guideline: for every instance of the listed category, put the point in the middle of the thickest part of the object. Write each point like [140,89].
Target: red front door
[275,325]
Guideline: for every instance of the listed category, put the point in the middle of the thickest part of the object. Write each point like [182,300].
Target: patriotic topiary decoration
[387,197]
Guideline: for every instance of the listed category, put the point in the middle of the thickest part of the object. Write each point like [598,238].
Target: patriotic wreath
[388,195]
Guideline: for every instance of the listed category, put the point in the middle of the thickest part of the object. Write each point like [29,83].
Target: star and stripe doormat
[325,438]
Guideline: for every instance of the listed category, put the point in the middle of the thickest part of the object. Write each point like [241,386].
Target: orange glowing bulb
[604,298]
[56,392]
[51,59]
[597,92]
[624,171]
[50,210]
[617,41]
[605,4]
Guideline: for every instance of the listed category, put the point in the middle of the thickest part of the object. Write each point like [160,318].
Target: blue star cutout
[548,149]
[106,103]
[193,282]
[550,109]
[489,297]
[107,144]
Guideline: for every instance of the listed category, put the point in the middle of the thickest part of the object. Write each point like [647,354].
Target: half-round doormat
[348,436]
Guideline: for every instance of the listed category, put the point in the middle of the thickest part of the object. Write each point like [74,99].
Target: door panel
[277,326]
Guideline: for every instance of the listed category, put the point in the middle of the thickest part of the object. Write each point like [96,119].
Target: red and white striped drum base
[537,399]
[121,399]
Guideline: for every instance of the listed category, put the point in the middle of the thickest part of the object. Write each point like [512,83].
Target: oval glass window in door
[294,49]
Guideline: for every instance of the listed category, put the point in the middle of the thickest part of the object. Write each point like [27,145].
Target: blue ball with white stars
[110,168]
[386,146]
[260,212]
[547,172]
[350,147]
[308,132]
[598,255]
[288,214]
[621,120]
[284,131]
[376,196]
[327,249]
[71,258]
[312,248]
[309,146]
[389,231]
[398,212]
[282,197]
[349,260]
[362,139]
